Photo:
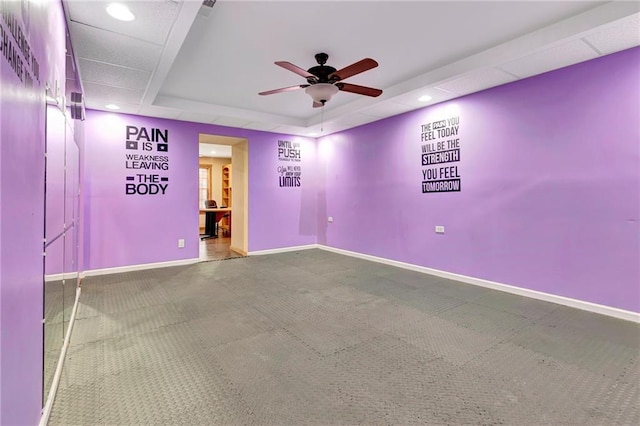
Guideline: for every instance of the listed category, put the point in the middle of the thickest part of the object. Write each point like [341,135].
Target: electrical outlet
[181,243]
[330,219]
[439,229]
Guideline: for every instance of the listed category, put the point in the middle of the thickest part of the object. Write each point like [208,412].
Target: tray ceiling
[187,61]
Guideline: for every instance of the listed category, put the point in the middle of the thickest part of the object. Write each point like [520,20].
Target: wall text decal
[141,139]
[288,151]
[14,45]
[442,146]
[289,176]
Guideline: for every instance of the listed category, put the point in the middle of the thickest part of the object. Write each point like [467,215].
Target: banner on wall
[440,153]
[146,161]
[289,175]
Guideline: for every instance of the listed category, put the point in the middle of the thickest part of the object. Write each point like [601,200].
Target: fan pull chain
[322,118]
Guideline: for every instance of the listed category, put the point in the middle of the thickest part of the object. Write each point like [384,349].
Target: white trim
[60,277]
[140,267]
[46,411]
[237,250]
[547,297]
[283,249]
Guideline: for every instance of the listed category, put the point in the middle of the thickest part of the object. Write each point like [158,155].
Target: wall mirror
[62,216]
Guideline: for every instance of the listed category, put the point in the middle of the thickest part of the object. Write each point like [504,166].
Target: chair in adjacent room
[226,227]
[210,222]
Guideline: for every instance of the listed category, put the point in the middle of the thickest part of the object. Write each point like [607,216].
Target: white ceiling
[181,60]
[214,151]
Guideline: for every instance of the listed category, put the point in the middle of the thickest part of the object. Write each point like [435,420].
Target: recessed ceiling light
[112,106]
[213,152]
[424,98]
[120,11]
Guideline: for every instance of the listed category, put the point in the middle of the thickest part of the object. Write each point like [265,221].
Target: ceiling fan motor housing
[321,71]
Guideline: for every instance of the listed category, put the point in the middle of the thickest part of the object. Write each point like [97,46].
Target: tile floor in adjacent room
[314,337]
[217,249]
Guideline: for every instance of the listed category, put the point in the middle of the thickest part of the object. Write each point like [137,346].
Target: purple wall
[550,185]
[125,229]
[281,216]
[22,124]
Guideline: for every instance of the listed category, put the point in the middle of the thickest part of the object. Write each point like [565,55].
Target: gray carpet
[313,337]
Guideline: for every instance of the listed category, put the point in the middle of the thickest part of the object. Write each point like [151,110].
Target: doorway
[223,197]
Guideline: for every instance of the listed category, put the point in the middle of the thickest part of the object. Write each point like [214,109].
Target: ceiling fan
[325,81]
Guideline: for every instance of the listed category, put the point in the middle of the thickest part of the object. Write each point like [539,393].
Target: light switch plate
[181,243]
[330,219]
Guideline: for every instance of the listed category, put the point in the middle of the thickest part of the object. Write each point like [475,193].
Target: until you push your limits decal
[290,175]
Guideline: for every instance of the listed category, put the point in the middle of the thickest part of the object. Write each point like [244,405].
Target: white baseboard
[46,411]
[140,267]
[60,277]
[238,250]
[283,250]
[547,297]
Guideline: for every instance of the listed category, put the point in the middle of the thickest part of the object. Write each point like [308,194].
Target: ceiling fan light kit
[322,92]
[324,81]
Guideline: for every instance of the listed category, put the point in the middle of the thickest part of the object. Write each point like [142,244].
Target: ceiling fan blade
[289,66]
[284,89]
[360,90]
[317,104]
[353,69]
